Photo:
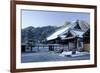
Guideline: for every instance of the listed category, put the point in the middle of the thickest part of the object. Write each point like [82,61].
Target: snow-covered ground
[52,56]
[69,53]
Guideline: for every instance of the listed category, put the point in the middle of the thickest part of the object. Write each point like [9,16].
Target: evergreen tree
[42,37]
[30,39]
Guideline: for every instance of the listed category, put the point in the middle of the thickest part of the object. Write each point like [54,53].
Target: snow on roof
[78,33]
[61,31]
[84,25]
[58,32]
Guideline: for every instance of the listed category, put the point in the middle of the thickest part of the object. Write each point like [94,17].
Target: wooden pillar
[68,44]
[75,43]
[74,49]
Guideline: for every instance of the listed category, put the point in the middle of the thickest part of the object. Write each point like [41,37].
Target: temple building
[75,36]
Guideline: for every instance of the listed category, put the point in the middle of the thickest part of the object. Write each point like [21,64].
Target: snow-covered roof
[78,33]
[58,32]
[84,27]
[67,38]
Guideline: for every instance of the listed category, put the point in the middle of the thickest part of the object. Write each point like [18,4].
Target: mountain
[37,34]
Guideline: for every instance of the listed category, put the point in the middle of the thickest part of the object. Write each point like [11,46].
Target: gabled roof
[82,28]
[69,35]
[78,33]
[83,25]
[59,32]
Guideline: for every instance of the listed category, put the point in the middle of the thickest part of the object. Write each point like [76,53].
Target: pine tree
[30,38]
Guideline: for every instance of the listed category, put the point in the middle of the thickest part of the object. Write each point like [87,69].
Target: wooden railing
[51,47]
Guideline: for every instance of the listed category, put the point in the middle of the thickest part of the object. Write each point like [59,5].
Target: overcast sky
[44,18]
